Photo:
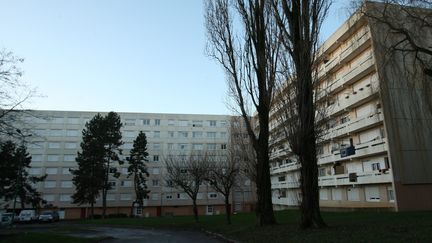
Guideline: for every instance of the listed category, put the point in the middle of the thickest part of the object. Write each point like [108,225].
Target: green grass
[36,237]
[343,227]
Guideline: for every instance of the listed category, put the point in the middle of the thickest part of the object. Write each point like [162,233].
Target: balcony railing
[285,168]
[353,126]
[374,177]
[285,184]
[361,150]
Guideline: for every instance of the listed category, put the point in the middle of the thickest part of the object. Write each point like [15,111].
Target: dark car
[49,216]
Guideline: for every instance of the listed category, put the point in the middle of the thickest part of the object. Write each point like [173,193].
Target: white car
[27,216]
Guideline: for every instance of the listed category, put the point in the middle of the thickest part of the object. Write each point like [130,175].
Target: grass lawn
[343,227]
[35,237]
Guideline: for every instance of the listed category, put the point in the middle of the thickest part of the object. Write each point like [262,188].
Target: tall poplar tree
[138,169]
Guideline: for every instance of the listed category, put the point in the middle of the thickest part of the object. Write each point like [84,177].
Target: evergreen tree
[112,142]
[138,169]
[100,147]
[15,180]
[88,178]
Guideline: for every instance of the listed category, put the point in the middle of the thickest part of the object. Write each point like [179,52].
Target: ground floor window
[390,194]
[210,209]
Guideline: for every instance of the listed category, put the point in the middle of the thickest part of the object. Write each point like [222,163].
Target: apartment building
[55,141]
[375,151]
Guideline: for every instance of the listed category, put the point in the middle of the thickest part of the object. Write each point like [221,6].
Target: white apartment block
[376,150]
[56,138]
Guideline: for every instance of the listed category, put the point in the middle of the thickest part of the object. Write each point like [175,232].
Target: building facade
[375,149]
[56,138]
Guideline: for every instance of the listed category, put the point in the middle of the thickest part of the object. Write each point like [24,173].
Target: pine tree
[15,179]
[138,169]
[88,178]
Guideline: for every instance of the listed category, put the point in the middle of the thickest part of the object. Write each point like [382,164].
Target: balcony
[373,177]
[353,126]
[377,146]
[347,54]
[285,185]
[279,154]
[285,168]
[285,201]
[348,78]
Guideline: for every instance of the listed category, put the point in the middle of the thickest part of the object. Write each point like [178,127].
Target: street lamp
[19,173]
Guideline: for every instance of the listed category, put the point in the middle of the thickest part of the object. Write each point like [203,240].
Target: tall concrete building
[55,141]
[376,149]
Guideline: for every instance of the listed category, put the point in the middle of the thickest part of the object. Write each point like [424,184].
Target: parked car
[49,216]
[27,215]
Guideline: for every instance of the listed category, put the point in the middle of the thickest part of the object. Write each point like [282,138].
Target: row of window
[371,193]
[67,171]
[131,122]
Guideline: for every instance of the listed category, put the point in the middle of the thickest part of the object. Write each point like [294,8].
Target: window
[323,194]
[110,197]
[124,171]
[211,146]
[57,120]
[130,122]
[125,196]
[211,134]
[247,182]
[183,134]
[69,158]
[66,184]
[336,194]
[171,134]
[37,145]
[155,182]
[157,122]
[146,122]
[70,145]
[170,146]
[40,132]
[155,196]
[197,123]
[66,171]
[210,209]
[49,184]
[155,158]
[281,178]
[65,197]
[51,171]
[71,133]
[199,195]
[129,134]
[36,157]
[182,195]
[212,195]
[112,184]
[376,166]
[168,196]
[223,146]
[212,123]
[197,134]
[54,145]
[156,134]
[390,194]
[372,194]
[48,197]
[156,146]
[171,122]
[183,146]
[35,171]
[353,194]
[223,123]
[321,172]
[156,171]
[169,183]
[127,183]
[53,158]
[223,134]
[56,133]
[197,146]
[128,145]
[183,123]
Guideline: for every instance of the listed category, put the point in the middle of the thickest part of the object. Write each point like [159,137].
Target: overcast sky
[125,56]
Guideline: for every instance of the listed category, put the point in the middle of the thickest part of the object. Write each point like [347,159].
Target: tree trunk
[92,210]
[104,194]
[195,210]
[227,209]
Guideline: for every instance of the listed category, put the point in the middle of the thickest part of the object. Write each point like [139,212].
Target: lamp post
[19,173]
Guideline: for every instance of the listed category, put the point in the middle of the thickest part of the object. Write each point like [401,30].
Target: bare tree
[222,175]
[13,94]
[243,37]
[300,22]
[187,172]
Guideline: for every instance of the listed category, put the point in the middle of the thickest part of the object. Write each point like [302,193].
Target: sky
[120,55]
